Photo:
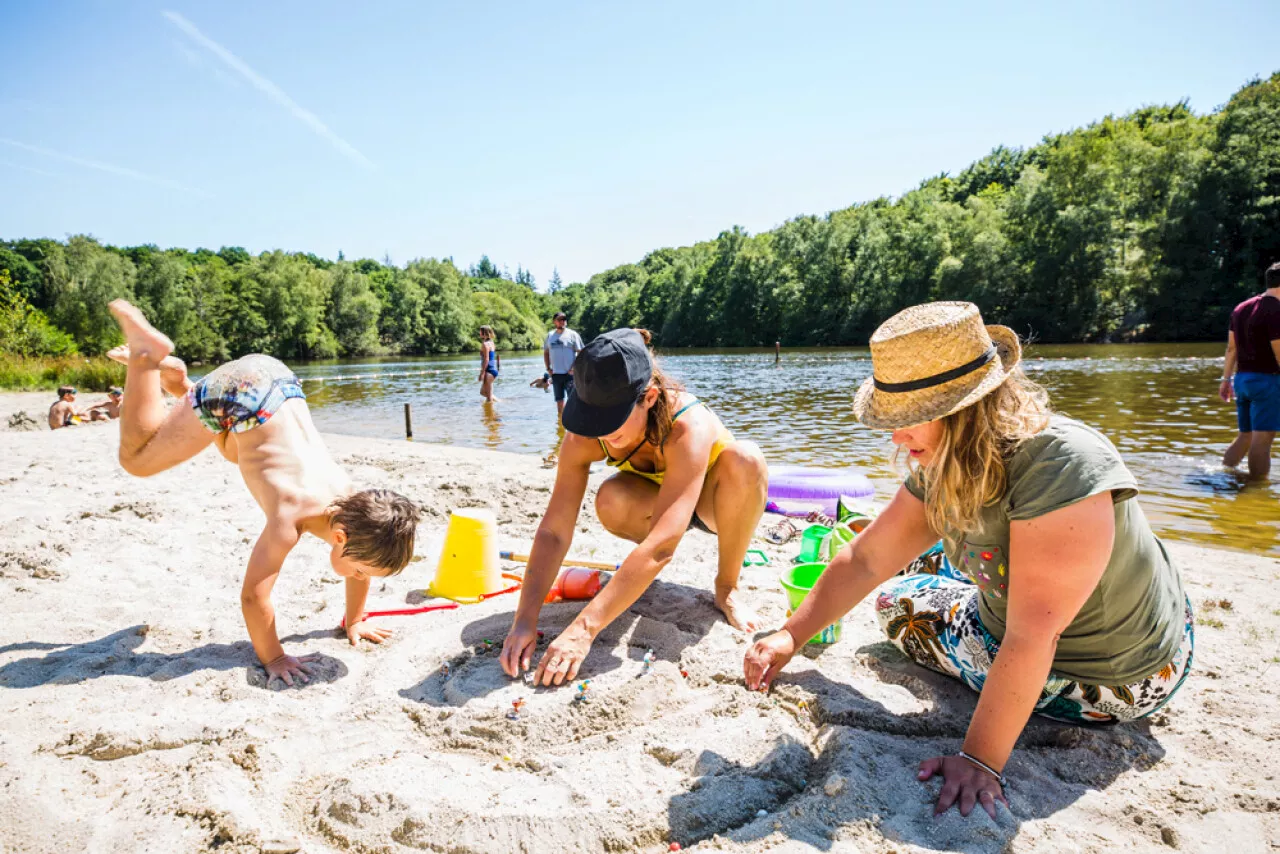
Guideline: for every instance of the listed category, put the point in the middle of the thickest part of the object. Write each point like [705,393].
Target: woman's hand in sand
[364,631]
[963,783]
[286,668]
[766,657]
[564,656]
[518,648]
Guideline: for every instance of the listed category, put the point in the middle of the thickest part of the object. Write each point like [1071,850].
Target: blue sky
[569,135]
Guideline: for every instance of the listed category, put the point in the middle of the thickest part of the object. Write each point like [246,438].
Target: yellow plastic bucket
[468,568]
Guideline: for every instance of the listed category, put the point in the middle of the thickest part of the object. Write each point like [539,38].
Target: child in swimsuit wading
[254,410]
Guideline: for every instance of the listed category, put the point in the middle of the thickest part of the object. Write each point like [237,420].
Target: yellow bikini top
[723,438]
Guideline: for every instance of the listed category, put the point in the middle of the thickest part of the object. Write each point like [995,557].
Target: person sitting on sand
[1054,597]
[109,409]
[254,410]
[63,412]
[678,468]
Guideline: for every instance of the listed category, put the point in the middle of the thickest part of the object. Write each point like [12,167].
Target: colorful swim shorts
[243,394]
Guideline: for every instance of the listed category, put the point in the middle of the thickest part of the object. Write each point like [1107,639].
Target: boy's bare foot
[146,343]
[173,371]
[741,618]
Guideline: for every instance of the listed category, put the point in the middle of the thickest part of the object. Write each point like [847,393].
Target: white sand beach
[136,719]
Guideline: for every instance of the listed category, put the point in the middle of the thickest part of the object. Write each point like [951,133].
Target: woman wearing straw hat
[678,468]
[1055,597]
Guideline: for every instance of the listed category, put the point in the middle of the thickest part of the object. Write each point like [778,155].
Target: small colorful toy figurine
[516,705]
[583,687]
[444,670]
[648,662]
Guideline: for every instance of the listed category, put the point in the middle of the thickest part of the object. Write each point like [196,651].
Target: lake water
[1157,402]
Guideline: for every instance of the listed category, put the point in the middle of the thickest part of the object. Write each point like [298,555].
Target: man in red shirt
[1251,373]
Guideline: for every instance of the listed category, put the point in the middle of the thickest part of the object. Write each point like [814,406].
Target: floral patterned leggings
[933,617]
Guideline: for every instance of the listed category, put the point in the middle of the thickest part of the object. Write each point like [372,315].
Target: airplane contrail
[269,89]
[103,167]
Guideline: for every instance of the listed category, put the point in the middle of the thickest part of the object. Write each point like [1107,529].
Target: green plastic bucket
[810,542]
[797,582]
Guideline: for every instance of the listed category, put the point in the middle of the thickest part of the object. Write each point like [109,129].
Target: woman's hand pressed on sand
[518,649]
[963,783]
[564,656]
[362,630]
[766,657]
[286,667]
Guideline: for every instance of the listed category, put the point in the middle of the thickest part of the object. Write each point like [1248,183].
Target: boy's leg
[152,437]
[732,503]
[173,371]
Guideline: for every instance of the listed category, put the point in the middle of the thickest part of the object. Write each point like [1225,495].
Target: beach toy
[401,612]
[797,582]
[468,568]
[810,542]
[836,539]
[444,670]
[583,687]
[755,557]
[577,582]
[516,557]
[516,705]
[799,490]
[648,662]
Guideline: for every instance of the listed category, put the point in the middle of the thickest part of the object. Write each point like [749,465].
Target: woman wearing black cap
[678,468]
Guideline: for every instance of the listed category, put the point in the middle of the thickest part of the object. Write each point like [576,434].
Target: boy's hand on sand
[287,668]
[766,657]
[362,630]
[563,657]
[518,649]
[963,784]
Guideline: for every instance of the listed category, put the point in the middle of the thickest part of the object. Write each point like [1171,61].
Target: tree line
[1150,225]
[220,305]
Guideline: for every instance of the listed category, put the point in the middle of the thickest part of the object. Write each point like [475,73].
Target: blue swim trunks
[243,394]
[1257,402]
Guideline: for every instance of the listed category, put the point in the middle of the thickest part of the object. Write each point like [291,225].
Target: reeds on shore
[33,373]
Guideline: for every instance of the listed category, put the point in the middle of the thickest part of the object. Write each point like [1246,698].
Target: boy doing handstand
[254,410]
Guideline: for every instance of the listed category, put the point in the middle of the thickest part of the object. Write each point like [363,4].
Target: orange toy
[578,583]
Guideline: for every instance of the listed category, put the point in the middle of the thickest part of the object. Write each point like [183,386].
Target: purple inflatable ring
[798,490]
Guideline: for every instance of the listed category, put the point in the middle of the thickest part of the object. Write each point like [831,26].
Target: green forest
[1147,226]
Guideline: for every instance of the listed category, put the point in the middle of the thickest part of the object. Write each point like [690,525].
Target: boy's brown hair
[380,526]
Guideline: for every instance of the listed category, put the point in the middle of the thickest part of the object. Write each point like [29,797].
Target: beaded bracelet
[985,767]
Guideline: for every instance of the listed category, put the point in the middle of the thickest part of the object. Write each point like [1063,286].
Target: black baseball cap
[610,375]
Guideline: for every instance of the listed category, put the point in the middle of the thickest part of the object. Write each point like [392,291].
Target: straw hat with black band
[931,360]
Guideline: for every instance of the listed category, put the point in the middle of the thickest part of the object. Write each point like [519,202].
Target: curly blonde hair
[968,468]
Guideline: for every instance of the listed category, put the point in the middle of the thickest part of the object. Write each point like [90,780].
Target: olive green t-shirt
[1131,625]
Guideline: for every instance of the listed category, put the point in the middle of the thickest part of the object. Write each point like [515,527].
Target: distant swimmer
[254,411]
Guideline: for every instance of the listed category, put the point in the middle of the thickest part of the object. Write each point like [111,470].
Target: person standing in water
[489,362]
[561,348]
[678,467]
[1251,375]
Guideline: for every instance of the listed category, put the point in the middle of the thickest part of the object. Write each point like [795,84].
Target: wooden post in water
[408,423]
